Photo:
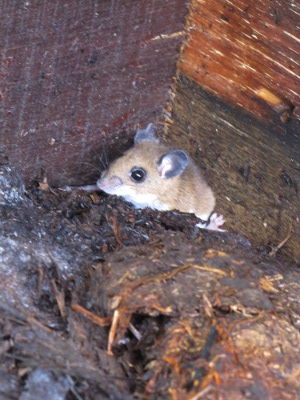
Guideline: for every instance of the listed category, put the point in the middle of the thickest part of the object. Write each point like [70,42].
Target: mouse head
[147,173]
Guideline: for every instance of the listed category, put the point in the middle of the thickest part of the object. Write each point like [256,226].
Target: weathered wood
[236,60]
[193,314]
[79,76]
[247,54]
[253,170]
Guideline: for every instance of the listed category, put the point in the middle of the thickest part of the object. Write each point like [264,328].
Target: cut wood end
[280,105]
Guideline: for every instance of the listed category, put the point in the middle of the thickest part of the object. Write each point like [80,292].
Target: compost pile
[100,300]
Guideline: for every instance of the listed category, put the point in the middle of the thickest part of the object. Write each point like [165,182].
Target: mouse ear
[145,135]
[172,164]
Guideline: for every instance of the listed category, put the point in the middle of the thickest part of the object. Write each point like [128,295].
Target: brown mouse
[153,175]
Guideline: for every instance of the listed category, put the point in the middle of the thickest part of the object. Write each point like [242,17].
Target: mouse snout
[108,183]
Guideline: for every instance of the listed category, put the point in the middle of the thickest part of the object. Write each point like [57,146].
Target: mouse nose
[109,182]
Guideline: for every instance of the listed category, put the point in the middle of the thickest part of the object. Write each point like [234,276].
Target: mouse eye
[137,174]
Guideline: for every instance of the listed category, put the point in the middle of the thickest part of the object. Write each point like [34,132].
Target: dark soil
[99,300]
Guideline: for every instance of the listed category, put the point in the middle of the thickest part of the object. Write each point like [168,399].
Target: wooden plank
[236,109]
[79,76]
[254,171]
[247,54]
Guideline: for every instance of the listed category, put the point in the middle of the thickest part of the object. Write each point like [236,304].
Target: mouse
[154,175]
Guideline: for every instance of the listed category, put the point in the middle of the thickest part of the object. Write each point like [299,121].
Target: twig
[60,299]
[275,249]
[112,332]
[97,320]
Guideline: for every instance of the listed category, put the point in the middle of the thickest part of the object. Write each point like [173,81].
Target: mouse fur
[172,181]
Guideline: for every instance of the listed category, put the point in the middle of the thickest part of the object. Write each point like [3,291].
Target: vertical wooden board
[253,170]
[236,109]
[77,76]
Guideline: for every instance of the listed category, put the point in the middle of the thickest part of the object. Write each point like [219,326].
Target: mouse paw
[214,223]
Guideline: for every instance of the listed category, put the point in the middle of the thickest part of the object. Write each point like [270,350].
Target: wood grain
[77,77]
[236,109]
[253,169]
[247,54]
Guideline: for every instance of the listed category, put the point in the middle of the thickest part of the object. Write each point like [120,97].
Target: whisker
[99,171]
[105,157]
[92,165]
[104,163]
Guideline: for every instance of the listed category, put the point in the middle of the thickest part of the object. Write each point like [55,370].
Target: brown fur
[187,192]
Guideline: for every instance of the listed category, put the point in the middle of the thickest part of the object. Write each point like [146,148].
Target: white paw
[214,224]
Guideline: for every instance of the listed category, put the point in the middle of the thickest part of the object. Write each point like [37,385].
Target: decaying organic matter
[101,300]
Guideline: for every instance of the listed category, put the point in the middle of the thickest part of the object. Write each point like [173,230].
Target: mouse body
[153,175]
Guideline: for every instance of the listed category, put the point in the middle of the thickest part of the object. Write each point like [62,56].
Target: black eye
[137,174]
